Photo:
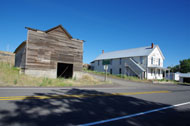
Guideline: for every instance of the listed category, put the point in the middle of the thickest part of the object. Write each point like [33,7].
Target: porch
[156,72]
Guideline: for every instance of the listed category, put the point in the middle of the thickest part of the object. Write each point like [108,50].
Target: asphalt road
[126,103]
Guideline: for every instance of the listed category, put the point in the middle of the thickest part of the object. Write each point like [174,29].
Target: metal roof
[142,51]
[184,75]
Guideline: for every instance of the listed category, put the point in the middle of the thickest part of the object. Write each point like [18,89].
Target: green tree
[175,69]
[185,66]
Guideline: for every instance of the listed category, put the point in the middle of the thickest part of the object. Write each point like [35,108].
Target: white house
[144,62]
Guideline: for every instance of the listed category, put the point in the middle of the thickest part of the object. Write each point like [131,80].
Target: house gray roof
[184,75]
[142,51]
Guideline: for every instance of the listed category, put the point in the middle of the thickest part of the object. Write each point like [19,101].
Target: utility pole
[106,63]
[106,69]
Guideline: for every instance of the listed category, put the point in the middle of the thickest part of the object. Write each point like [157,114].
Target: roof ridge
[128,49]
[140,51]
[50,29]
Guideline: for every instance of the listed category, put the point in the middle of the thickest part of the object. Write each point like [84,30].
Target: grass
[119,76]
[136,79]
[9,76]
[165,80]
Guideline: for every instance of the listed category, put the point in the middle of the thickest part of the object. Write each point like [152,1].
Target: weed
[45,82]
[15,81]
[75,78]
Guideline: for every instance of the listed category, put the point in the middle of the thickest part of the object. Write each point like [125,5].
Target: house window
[98,62]
[111,62]
[152,60]
[159,61]
[120,61]
[119,70]
[110,71]
[141,60]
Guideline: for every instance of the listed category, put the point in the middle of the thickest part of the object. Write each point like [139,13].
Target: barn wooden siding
[46,49]
[20,56]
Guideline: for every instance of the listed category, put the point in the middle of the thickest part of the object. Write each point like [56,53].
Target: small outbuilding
[184,77]
[52,53]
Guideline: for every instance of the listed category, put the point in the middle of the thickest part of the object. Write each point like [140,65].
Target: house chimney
[152,45]
[102,51]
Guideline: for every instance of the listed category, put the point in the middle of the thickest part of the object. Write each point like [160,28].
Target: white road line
[133,115]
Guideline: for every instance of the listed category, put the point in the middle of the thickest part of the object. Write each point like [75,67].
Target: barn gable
[59,29]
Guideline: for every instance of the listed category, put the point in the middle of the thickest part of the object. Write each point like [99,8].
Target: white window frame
[159,62]
[152,60]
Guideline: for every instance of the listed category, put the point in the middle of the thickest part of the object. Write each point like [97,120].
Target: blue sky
[104,24]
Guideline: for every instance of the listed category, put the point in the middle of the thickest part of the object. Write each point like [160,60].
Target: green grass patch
[167,81]
[119,76]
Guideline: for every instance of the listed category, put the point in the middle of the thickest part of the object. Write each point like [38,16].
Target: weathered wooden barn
[52,53]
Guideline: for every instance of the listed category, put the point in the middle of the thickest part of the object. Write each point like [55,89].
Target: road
[126,103]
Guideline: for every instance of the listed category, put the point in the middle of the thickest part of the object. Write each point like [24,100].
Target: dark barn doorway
[64,70]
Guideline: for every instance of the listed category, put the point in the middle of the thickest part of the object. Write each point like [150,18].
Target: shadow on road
[72,111]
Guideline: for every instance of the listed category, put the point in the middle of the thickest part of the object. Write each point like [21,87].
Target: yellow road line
[147,92]
[77,96]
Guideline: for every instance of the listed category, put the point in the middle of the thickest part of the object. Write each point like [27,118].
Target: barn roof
[142,51]
[59,26]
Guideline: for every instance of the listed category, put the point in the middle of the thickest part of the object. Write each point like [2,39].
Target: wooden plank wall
[20,57]
[44,50]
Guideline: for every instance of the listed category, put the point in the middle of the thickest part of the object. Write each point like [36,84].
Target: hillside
[7,57]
